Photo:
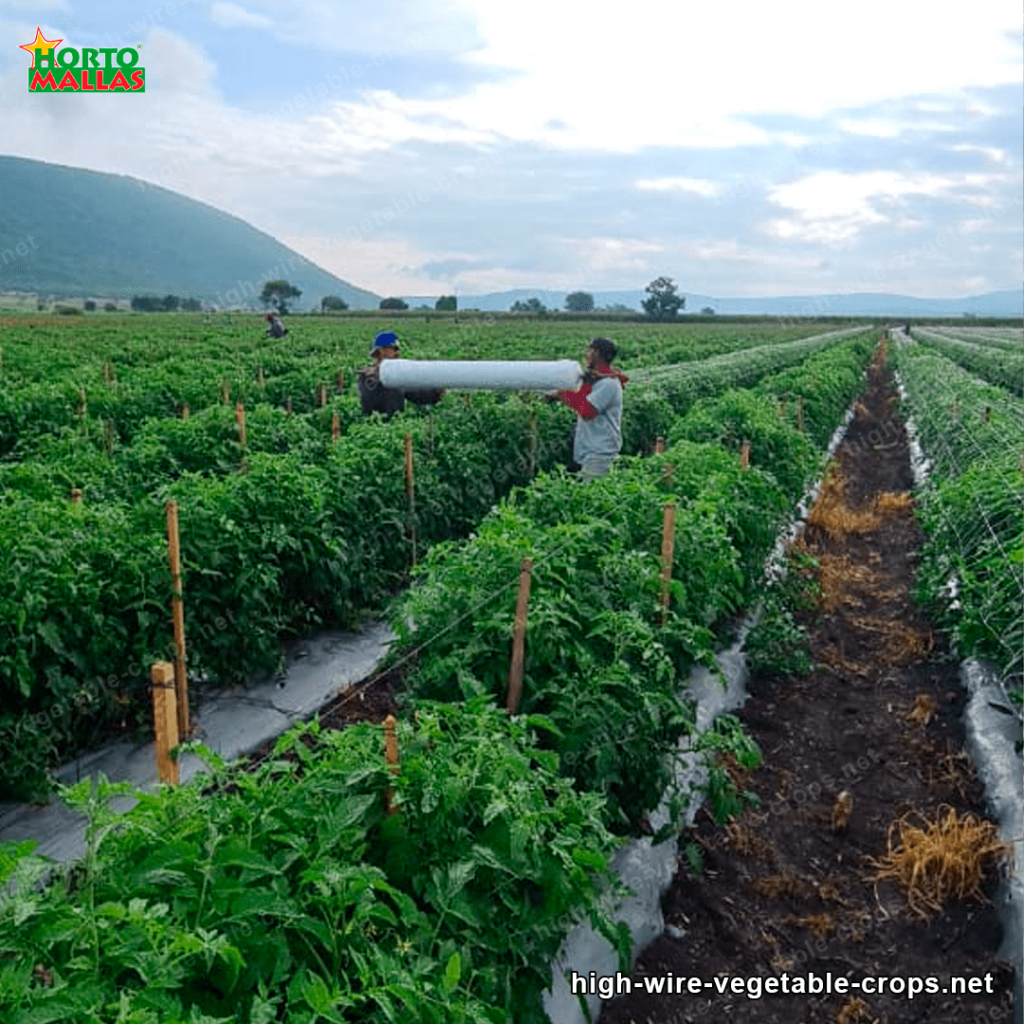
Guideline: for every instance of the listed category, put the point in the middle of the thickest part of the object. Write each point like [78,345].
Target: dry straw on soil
[946,859]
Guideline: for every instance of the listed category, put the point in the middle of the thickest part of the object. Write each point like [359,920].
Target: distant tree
[708,311]
[191,305]
[332,302]
[529,306]
[147,303]
[448,303]
[277,294]
[579,302]
[171,303]
[393,303]
[69,310]
[664,301]
[618,307]
[110,307]
[89,305]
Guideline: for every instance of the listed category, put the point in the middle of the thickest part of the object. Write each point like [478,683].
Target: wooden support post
[178,618]
[260,379]
[81,403]
[659,445]
[391,756]
[322,395]
[108,434]
[515,672]
[335,427]
[107,375]
[184,410]
[781,410]
[988,413]
[410,493]
[799,412]
[745,454]
[340,380]
[242,439]
[240,420]
[668,541]
[165,721]
[288,405]
[76,496]
[225,392]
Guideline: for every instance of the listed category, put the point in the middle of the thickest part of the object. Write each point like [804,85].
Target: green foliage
[971,570]
[739,416]
[332,303]
[279,293]
[663,300]
[777,646]
[393,303]
[579,302]
[288,893]
[448,303]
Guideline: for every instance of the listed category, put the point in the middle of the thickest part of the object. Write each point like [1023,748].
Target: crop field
[288,890]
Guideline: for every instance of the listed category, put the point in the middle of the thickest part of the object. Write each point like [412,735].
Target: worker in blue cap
[373,396]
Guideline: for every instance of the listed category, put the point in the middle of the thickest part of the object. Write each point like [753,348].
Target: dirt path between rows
[784,889]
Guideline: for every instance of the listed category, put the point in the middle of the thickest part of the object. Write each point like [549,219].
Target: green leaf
[452,972]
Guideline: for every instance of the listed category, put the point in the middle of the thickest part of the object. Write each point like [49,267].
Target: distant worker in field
[598,406]
[373,396]
[275,329]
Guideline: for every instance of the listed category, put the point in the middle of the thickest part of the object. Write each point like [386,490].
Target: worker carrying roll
[557,375]
[375,395]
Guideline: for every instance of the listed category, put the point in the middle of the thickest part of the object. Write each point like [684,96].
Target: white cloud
[699,186]
[994,153]
[834,206]
[229,15]
[599,255]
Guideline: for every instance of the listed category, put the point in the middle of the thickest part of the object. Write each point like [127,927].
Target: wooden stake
[391,756]
[515,672]
[260,379]
[659,445]
[76,496]
[340,380]
[988,413]
[322,395]
[225,393]
[799,412]
[410,493]
[165,721]
[781,410]
[107,375]
[184,411]
[108,431]
[240,420]
[81,403]
[178,618]
[288,405]
[335,427]
[745,455]
[668,541]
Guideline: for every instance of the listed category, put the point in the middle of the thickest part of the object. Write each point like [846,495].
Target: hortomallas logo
[106,69]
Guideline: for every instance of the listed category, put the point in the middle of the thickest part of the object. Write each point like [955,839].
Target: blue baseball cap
[386,339]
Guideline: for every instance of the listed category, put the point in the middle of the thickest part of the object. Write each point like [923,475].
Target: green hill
[70,232]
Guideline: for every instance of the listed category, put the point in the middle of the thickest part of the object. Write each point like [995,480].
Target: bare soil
[785,887]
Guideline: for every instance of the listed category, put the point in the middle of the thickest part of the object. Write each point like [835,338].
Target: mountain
[1007,304]
[66,231]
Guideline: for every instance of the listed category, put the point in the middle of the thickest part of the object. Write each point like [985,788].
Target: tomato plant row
[290,894]
[997,365]
[971,573]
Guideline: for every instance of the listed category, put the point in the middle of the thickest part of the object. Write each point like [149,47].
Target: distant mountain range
[1004,304]
[69,232]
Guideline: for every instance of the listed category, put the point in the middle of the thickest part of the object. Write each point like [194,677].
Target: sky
[426,147]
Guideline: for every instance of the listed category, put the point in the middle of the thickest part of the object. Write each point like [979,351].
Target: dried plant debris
[940,861]
[923,709]
[841,811]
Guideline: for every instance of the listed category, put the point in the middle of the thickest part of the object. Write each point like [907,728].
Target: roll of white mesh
[414,374]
